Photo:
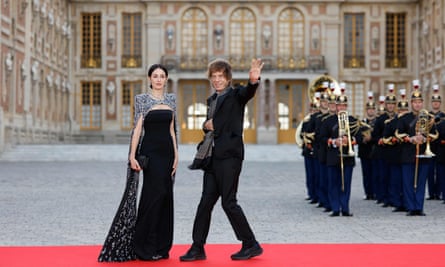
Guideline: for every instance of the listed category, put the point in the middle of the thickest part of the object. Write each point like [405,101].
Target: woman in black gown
[146,233]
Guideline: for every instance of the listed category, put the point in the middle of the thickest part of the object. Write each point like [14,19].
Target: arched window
[290,39]
[242,43]
[194,45]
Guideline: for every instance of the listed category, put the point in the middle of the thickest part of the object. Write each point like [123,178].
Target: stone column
[266,131]
[2,130]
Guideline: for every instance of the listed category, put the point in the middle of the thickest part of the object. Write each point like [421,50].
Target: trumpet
[345,129]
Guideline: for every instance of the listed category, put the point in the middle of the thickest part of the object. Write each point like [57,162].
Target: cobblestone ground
[54,202]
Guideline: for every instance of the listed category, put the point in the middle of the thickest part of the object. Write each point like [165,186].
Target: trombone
[344,129]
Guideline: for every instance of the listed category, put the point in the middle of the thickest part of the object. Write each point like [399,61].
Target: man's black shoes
[193,254]
[346,214]
[248,252]
[335,214]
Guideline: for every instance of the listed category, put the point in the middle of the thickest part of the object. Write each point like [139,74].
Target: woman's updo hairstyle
[157,66]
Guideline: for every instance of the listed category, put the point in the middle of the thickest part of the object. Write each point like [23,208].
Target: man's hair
[220,65]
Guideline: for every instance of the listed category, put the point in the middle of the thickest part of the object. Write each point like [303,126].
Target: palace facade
[70,68]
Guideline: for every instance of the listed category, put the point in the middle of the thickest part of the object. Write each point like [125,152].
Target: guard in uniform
[440,156]
[434,191]
[313,130]
[415,130]
[365,149]
[392,152]
[318,146]
[307,152]
[340,132]
[381,169]
[324,179]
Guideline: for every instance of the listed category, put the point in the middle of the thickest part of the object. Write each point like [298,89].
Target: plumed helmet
[416,94]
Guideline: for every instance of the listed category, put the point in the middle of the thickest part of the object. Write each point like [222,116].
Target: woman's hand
[134,164]
[175,166]
[255,70]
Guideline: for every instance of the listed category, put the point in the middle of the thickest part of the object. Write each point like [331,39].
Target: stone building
[71,68]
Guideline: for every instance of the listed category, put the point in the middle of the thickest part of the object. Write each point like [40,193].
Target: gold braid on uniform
[431,122]
[355,126]
[365,128]
[401,136]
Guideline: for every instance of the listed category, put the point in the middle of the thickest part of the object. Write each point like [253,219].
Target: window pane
[354,41]
[91,40]
[132,40]
[395,40]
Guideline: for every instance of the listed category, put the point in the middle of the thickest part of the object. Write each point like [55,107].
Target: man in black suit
[225,114]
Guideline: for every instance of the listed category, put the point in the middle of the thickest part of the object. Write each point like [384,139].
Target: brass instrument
[344,129]
[366,128]
[300,138]
[315,86]
[423,127]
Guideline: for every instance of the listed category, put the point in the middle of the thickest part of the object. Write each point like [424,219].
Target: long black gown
[154,225]
[151,231]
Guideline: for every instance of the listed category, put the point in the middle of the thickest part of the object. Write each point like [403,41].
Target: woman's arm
[175,147]
[134,145]
[136,133]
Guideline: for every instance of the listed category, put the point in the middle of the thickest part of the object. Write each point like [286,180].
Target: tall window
[91,106]
[354,34]
[291,39]
[194,39]
[91,40]
[395,40]
[242,38]
[132,40]
[129,91]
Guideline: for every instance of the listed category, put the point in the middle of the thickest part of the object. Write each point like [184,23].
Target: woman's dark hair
[157,66]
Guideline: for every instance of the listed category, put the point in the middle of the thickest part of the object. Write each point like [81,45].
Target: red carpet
[275,255]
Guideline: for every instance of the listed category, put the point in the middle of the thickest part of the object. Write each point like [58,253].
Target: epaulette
[387,120]
[401,115]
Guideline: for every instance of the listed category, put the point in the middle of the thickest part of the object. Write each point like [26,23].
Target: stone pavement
[68,194]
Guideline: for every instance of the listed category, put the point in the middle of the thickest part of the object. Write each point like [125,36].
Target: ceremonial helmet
[416,94]
[390,97]
[436,96]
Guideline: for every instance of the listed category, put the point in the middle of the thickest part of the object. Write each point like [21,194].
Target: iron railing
[242,63]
